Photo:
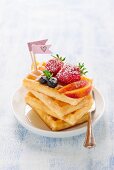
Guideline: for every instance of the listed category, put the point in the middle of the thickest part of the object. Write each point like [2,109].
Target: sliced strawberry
[68,74]
[73,86]
[54,65]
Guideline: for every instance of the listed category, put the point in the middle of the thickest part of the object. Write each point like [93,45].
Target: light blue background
[81,30]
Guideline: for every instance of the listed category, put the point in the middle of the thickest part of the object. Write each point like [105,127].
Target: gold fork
[89,139]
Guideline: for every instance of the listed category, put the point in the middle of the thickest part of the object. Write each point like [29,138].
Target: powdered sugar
[68,74]
[54,65]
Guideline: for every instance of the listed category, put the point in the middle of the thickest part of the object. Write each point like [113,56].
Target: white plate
[32,121]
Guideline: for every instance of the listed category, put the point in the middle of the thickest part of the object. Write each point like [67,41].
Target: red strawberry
[54,65]
[68,74]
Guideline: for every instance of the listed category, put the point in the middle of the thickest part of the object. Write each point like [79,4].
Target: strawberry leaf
[83,69]
[59,57]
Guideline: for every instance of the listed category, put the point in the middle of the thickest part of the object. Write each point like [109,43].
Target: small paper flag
[41,49]
[41,42]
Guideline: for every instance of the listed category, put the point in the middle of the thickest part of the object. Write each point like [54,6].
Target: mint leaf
[48,74]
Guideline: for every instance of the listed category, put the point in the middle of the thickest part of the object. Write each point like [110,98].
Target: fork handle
[89,139]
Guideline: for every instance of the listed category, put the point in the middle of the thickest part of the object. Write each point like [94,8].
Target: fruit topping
[43,80]
[72,91]
[73,86]
[84,91]
[55,64]
[52,82]
[48,79]
[68,74]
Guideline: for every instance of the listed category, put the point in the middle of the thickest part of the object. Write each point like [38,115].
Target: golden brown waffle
[60,108]
[35,102]
[54,123]
[71,118]
[31,84]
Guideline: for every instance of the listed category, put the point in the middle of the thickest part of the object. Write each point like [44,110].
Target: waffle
[60,108]
[73,117]
[38,104]
[55,109]
[31,84]
[70,118]
[54,123]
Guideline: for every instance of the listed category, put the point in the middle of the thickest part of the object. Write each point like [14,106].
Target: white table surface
[81,30]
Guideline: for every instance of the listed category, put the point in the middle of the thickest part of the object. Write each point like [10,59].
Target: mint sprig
[83,69]
[59,57]
[48,74]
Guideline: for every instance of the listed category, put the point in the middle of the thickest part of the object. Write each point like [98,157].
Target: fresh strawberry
[68,74]
[54,65]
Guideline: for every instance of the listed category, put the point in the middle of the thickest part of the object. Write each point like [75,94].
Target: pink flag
[41,42]
[41,49]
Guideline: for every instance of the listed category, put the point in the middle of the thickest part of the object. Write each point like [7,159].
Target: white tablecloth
[81,30]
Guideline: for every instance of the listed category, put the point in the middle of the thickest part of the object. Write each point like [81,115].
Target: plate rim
[54,134]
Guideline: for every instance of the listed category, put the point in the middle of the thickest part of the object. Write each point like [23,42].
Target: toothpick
[33,60]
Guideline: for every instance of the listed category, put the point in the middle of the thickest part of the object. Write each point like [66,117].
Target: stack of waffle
[55,109]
